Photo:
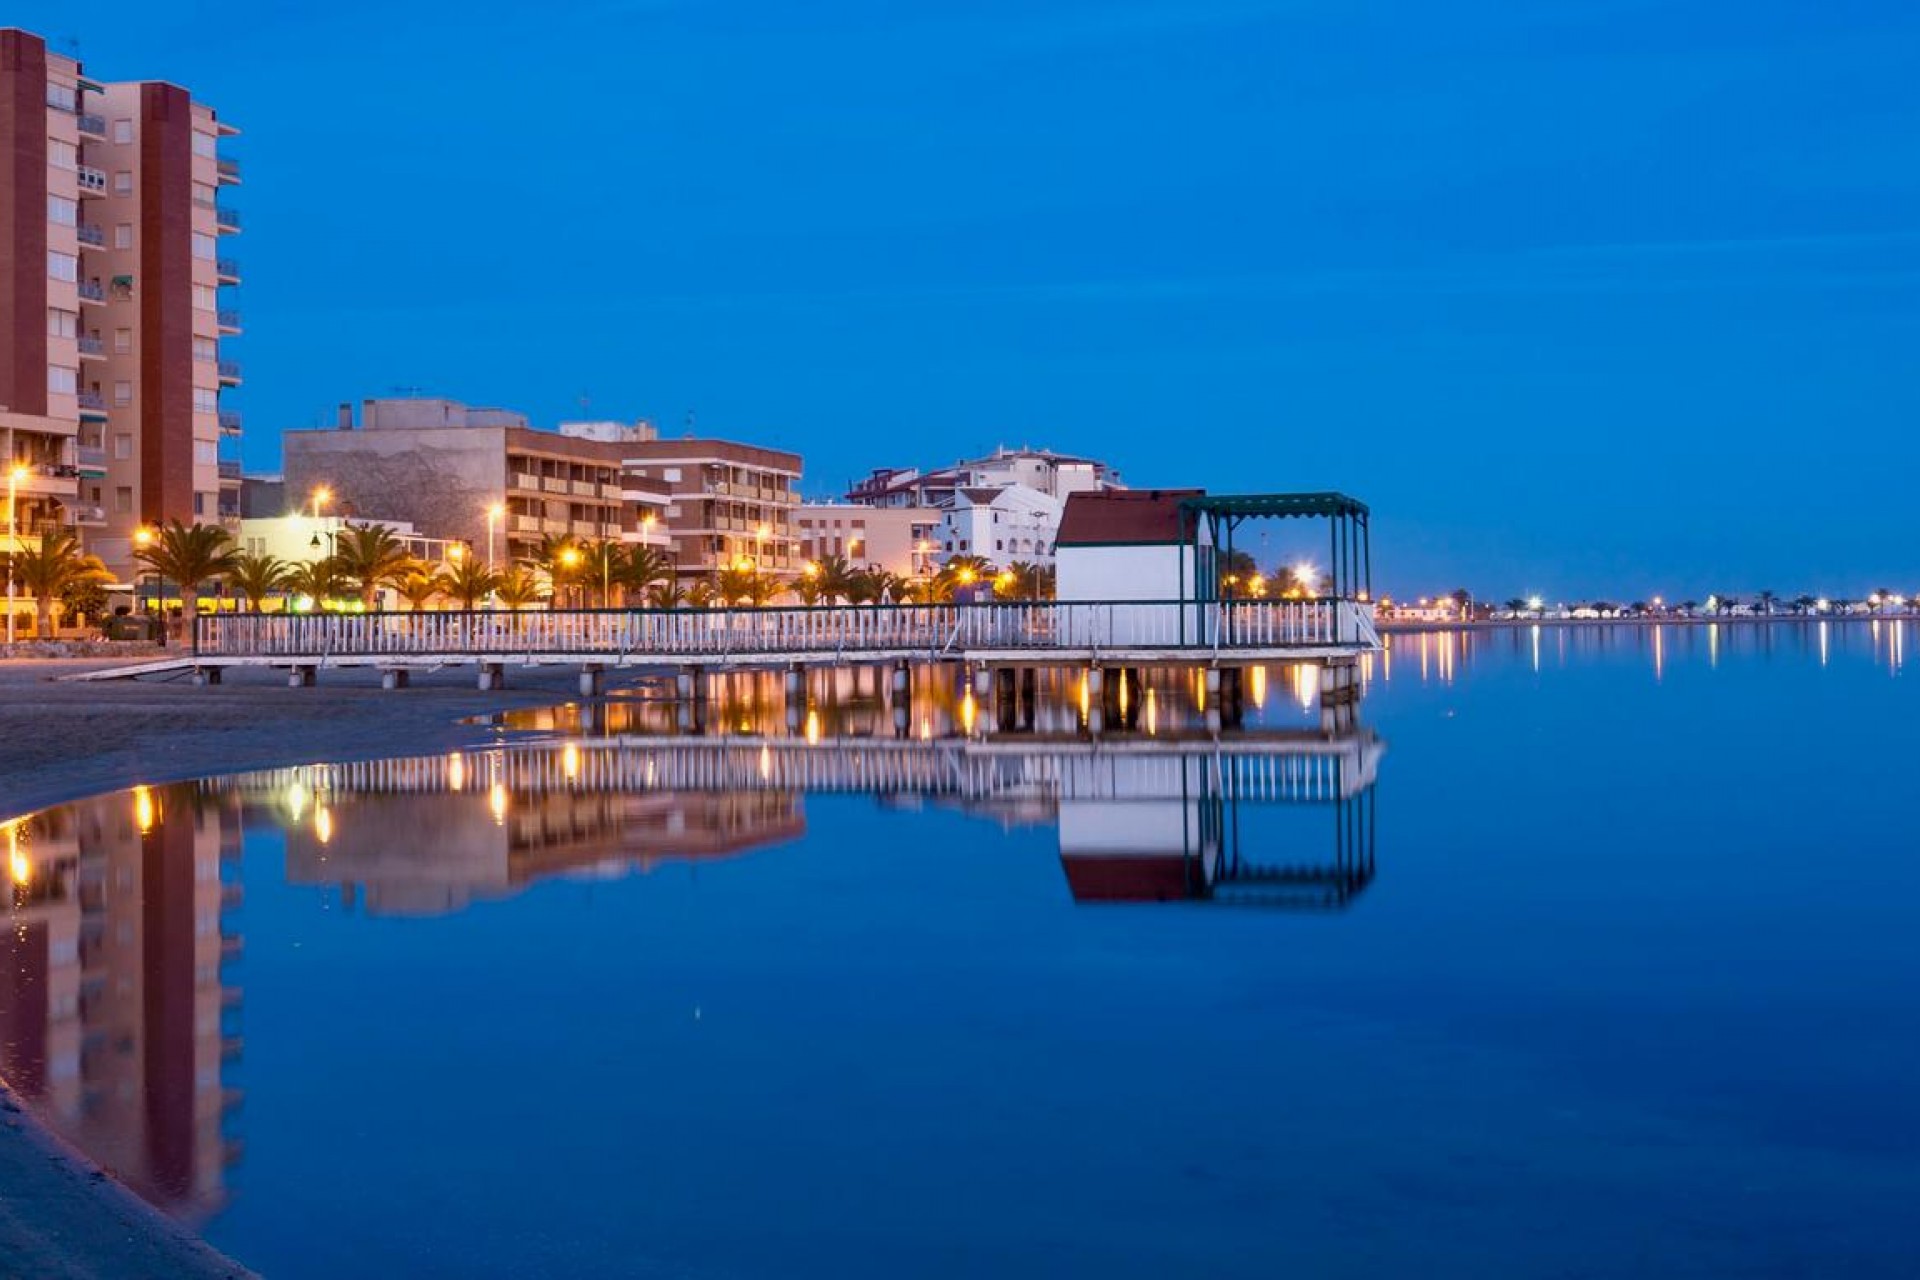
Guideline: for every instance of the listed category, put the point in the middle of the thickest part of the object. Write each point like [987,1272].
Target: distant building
[482,476]
[902,540]
[728,504]
[1004,507]
[1057,475]
[1003,525]
[262,497]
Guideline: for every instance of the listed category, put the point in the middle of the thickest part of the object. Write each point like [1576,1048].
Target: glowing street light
[321,496]
[494,515]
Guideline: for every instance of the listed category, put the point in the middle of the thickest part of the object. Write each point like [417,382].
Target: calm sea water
[1579,953]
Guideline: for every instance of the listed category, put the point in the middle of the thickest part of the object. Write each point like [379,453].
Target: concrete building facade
[1003,526]
[482,476]
[901,540]
[730,504]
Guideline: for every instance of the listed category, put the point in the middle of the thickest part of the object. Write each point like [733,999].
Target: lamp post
[143,537]
[15,474]
[569,559]
[494,513]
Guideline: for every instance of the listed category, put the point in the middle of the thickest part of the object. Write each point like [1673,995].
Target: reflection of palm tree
[191,556]
[257,576]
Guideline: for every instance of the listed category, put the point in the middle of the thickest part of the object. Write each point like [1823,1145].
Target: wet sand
[60,1216]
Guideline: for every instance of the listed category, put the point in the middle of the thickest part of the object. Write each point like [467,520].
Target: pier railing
[1023,627]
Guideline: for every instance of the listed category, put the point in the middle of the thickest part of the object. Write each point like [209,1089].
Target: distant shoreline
[1386,627]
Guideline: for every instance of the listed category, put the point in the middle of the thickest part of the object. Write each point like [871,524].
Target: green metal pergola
[1349,540]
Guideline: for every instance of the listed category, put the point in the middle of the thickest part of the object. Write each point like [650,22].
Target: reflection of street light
[14,477]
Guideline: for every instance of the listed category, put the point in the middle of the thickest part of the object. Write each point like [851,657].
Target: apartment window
[206,452]
[122,341]
[123,131]
[203,195]
[205,298]
[63,324]
[63,266]
[123,236]
[62,212]
[63,97]
[62,381]
[123,182]
[123,392]
[93,495]
[62,155]
[204,144]
[206,400]
[199,504]
[123,446]
[206,350]
[203,246]
[671,473]
[123,499]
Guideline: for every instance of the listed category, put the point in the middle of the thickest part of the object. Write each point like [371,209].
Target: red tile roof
[1126,516]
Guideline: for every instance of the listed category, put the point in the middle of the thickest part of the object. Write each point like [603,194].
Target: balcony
[92,348]
[92,235]
[229,170]
[230,422]
[228,269]
[229,469]
[92,400]
[228,318]
[87,516]
[230,372]
[93,182]
[92,126]
[227,219]
[92,291]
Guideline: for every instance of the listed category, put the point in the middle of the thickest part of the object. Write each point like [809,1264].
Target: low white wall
[1123,573]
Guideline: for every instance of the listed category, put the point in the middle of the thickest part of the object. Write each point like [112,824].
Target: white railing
[943,629]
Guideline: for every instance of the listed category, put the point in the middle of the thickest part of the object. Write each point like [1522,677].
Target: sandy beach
[61,1216]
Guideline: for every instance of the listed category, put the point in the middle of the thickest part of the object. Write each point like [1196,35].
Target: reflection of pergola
[1349,542]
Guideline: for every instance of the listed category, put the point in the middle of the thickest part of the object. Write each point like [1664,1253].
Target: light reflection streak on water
[1659,653]
[1713,645]
[1823,642]
[1896,646]
[1536,647]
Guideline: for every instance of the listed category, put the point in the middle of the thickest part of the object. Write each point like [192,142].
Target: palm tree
[1516,606]
[467,580]
[701,594]
[558,556]
[643,569]
[256,576]
[666,594]
[1724,605]
[1234,568]
[808,587]
[1026,581]
[419,587]
[318,580]
[747,586]
[1766,599]
[371,556]
[50,570]
[518,589]
[835,579]
[1804,604]
[600,564]
[190,556]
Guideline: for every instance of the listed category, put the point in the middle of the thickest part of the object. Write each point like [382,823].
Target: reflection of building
[496,827]
[111,1000]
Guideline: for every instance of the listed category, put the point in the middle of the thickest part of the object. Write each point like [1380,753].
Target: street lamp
[143,537]
[569,559]
[494,514]
[15,475]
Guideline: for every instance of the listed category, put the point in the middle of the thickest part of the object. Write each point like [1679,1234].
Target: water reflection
[1441,656]
[115,1018]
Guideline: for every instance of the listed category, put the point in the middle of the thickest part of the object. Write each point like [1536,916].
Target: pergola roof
[1277,504]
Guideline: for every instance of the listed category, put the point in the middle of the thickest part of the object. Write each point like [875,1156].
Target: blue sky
[1600,297]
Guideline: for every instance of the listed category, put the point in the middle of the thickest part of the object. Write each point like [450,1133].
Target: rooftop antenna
[689,424]
[586,402]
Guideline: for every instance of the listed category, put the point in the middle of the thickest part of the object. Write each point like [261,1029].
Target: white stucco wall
[1123,573]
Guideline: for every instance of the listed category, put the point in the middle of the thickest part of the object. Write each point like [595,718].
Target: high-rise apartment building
[114,188]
